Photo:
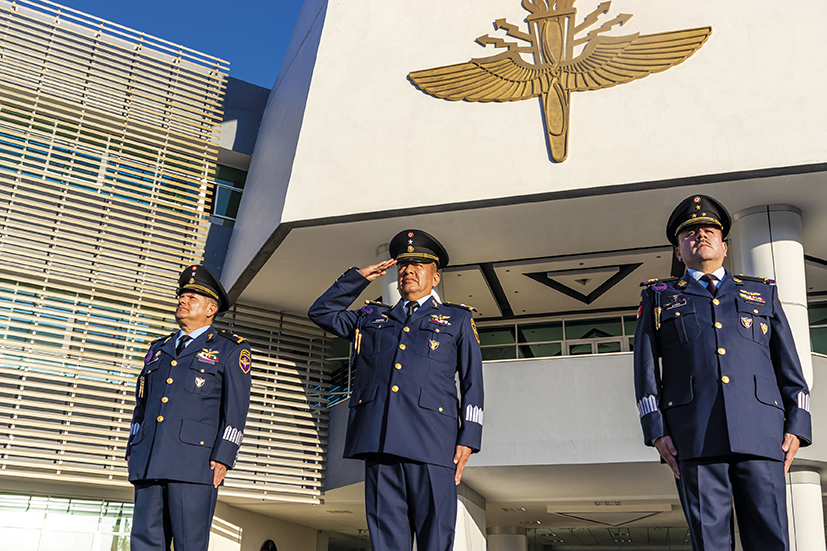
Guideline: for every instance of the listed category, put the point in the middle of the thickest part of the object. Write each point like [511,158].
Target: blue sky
[251,34]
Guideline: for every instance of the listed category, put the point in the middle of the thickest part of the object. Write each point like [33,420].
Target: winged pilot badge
[554,33]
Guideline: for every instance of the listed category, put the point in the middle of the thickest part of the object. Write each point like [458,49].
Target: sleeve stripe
[233,435]
[647,405]
[804,401]
[473,414]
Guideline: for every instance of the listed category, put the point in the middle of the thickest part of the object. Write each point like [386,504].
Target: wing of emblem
[609,61]
[503,77]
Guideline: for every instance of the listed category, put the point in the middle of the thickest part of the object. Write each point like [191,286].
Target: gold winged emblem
[604,61]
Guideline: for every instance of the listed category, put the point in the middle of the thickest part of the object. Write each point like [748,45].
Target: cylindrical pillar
[766,241]
[804,510]
[507,538]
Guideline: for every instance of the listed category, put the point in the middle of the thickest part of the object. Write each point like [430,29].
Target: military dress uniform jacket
[730,381]
[404,400]
[190,409]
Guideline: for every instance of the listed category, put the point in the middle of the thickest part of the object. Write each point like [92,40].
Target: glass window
[496,335]
[593,328]
[540,332]
[818,336]
[629,323]
[226,202]
[498,353]
[817,313]
[229,184]
[541,350]
[580,349]
[608,347]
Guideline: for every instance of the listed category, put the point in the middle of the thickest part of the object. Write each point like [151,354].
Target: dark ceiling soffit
[815,260]
[625,269]
[281,232]
[496,289]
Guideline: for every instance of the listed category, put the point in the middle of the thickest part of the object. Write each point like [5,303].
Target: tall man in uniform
[405,420]
[191,405]
[729,407]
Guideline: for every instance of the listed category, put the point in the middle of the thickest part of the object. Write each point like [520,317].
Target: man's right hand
[667,451]
[372,272]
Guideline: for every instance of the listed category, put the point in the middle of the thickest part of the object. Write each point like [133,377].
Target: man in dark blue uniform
[405,420]
[191,406]
[729,407]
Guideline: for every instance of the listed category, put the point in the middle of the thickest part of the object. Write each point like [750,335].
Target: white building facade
[350,151]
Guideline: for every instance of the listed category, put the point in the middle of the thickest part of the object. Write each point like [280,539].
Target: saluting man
[405,420]
[729,408]
[191,405]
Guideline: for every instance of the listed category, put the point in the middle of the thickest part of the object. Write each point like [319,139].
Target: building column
[766,241]
[507,538]
[804,510]
[470,527]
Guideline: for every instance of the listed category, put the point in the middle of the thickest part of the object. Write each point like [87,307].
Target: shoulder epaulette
[764,280]
[463,306]
[377,303]
[653,281]
[232,336]
[164,338]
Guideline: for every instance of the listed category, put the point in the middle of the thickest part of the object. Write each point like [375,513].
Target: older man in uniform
[405,420]
[191,405]
[729,407]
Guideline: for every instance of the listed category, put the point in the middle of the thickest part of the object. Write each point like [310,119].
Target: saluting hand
[460,459]
[372,272]
[790,447]
[219,472]
[667,451]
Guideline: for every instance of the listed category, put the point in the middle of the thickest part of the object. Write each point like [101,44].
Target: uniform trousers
[168,511]
[708,488]
[403,498]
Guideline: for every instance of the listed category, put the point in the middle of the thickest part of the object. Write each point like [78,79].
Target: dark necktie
[711,287]
[182,343]
[412,306]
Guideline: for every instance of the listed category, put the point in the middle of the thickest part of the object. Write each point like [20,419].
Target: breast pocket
[200,378]
[679,325]
[436,341]
[754,321]
[376,338]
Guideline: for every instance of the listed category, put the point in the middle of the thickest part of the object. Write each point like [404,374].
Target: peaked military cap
[418,246]
[199,279]
[698,209]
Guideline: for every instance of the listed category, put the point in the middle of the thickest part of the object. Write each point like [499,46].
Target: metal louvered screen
[282,456]
[107,149]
